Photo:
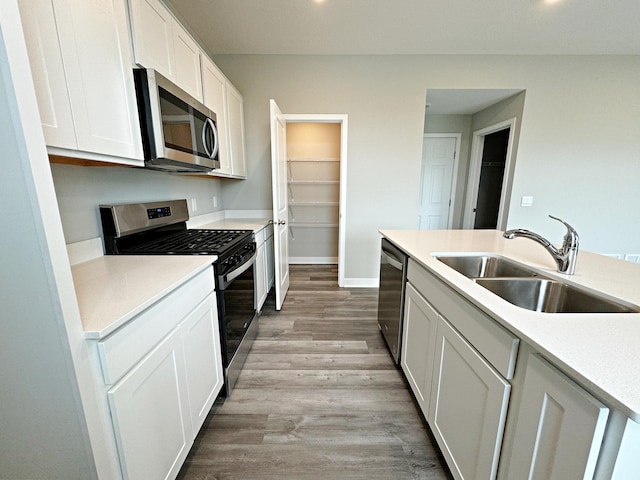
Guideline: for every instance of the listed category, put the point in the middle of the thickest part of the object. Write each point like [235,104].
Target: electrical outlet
[526,201]
[215,201]
[194,205]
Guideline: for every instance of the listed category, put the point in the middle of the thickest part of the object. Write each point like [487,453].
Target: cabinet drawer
[120,351]
[493,342]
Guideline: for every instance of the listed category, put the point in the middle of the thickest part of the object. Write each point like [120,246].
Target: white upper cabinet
[215,97]
[152,32]
[80,55]
[45,58]
[161,43]
[223,98]
[187,60]
[235,129]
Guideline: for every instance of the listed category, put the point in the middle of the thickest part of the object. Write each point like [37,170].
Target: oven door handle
[230,277]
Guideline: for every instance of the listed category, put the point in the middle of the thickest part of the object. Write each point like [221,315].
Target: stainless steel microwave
[179,134]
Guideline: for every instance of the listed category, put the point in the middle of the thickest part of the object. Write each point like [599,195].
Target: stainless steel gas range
[159,228]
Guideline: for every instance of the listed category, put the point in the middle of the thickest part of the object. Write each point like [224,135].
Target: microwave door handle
[208,124]
[215,138]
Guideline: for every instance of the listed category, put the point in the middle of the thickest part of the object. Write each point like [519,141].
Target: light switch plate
[527,201]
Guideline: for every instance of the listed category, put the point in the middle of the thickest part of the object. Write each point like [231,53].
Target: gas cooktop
[159,228]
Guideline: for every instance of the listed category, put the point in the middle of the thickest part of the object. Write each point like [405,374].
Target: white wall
[43,430]
[578,153]
[80,190]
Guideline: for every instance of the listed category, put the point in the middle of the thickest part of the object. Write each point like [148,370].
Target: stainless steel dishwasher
[393,275]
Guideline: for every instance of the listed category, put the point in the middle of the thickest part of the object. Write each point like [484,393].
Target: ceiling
[381,27]
[464,101]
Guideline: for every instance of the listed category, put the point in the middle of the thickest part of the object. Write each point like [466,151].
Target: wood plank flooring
[319,397]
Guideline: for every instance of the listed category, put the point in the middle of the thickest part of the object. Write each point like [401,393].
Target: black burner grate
[193,242]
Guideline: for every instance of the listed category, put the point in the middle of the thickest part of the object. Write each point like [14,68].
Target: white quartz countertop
[113,289]
[600,351]
[255,224]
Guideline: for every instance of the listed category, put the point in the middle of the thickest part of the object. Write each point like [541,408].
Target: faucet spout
[565,257]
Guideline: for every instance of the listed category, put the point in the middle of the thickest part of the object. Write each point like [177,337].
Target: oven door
[238,318]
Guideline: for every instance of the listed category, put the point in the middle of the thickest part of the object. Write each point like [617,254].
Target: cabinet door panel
[187,61]
[235,121]
[214,94]
[559,428]
[150,412]
[45,59]
[201,340]
[468,406]
[260,277]
[418,345]
[269,254]
[152,36]
[95,49]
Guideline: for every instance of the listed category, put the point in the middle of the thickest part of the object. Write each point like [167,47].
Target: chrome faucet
[568,253]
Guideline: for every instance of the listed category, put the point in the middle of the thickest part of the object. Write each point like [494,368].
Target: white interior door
[439,164]
[280,203]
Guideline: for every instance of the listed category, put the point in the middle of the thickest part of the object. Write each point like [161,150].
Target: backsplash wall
[81,189]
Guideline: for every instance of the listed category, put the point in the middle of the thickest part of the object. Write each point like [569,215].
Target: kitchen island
[596,354]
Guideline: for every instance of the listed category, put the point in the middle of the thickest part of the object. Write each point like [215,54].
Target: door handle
[281,222]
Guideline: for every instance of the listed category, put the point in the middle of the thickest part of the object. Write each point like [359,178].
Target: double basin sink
[528,289]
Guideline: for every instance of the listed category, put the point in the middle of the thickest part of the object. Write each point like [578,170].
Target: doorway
[313,187]
[283,168]
[440,158]
[491,158]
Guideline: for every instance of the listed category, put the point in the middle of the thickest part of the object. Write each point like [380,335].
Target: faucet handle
[571,237]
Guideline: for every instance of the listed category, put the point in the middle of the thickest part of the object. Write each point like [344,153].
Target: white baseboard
[84,251]
[361,282]
[313,260]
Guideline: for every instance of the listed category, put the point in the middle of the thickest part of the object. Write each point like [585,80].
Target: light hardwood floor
[319,397]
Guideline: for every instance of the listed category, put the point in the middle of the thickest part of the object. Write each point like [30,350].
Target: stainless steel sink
[486,266]
[528,289]
[543,295]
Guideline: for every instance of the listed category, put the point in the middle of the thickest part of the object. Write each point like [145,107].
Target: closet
[313,181]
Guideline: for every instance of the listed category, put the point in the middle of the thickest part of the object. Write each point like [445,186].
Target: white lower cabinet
[468,406]
[457,362]
[203,359]
[627,461]
[418,345]
[260,276]
[150,411]
[559,427]
[264,264]
[269,259]
[163,371]
[493,420]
